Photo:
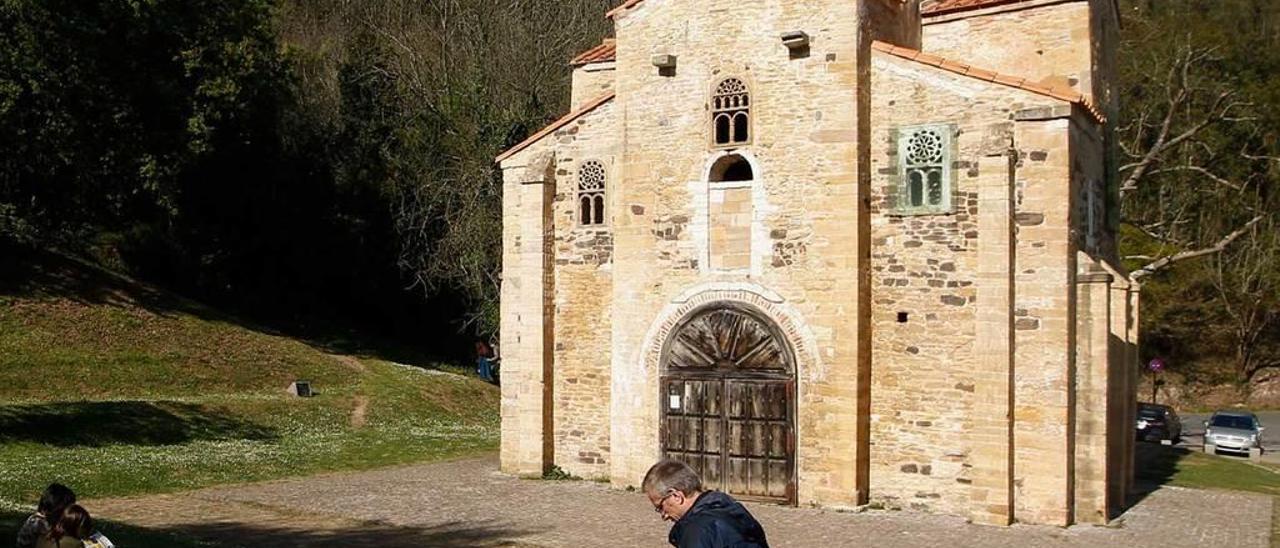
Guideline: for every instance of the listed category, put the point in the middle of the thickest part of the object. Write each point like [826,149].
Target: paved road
[468,504]
[1193,433]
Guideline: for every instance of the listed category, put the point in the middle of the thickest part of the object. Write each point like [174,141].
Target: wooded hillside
[331,161]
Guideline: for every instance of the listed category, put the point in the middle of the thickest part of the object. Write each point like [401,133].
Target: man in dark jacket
[703,519]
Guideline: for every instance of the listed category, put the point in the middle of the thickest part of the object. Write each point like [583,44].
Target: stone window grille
[924,157]
[731,113]
[591,188]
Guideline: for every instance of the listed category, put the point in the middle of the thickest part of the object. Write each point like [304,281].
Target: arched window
[925,156]
[731,113]
[591,186]
[732,168]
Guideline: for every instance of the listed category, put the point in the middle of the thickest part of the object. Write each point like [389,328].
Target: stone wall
[1048,43]
[924,272]
[583,299]
[1045,307]
[592,81]
[729,228]
[1053,43]
[936,354]
[527,192]
[805,203]
[556,291]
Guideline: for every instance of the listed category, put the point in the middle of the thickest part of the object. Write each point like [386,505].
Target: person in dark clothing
[702,519]
[56,498]
[485,357]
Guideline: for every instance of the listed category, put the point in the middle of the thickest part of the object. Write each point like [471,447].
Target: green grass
[52,345]
[117,389]
[168,445]
[1180,467]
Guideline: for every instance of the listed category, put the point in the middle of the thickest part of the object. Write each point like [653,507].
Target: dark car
[1158,423]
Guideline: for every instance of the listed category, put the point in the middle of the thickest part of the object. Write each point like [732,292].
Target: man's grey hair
[671,474]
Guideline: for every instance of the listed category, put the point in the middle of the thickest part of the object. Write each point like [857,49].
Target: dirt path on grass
[360,412]
[467,503]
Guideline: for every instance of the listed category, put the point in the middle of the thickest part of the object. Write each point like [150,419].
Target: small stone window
[731,113]
[591,188]
[924,158]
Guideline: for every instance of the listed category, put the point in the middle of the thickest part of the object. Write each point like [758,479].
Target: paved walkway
[467,503]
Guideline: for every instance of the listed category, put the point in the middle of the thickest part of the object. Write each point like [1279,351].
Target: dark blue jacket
[717,521]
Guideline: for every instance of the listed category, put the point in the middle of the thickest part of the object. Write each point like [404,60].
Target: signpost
[1156,366]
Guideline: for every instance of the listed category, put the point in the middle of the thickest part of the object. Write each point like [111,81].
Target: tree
[1196,180]
[1199,183]
[1248,287]
[451,83]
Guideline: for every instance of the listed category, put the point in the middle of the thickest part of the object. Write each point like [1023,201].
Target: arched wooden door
[728,403]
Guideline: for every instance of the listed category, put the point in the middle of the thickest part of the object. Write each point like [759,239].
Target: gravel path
[467,503]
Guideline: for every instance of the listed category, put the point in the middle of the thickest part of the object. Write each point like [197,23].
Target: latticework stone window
[924,156]
[591,189]
[731,113]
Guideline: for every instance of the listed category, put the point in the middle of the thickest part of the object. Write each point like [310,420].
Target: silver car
[1234,432]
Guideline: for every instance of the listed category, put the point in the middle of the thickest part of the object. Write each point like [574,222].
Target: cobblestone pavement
[467,503]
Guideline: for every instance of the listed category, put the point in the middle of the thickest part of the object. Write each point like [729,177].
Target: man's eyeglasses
[657,507]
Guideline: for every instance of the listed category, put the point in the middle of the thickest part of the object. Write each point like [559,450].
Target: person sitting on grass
[56,498]
[71,529]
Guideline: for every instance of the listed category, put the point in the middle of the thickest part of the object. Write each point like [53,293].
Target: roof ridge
[605,51]
[553,126]
[1069,95]
[622,7]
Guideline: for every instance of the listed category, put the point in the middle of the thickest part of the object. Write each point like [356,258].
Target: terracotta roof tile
[1069,95]
[930,7]
[622,7]
[981,74]
[1012,81]
[926,58]
[606,51]
[940,7]
[563,121]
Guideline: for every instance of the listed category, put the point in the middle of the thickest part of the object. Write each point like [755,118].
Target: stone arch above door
[806,362]
[727,336]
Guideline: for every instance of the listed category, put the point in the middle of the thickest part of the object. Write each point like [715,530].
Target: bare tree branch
[1165,262]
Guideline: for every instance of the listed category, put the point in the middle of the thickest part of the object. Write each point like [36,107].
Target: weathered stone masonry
[962,341]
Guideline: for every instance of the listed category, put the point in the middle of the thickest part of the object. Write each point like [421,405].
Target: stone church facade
[830,252]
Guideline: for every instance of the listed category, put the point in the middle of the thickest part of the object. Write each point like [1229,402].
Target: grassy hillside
[116,388]
[69,329]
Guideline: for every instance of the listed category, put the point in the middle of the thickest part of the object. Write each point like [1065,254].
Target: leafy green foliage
[555,473]
[305,161]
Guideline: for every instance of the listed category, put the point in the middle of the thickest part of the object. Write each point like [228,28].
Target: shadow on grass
[38,273]
[97,424]
[120,534]
[1155,465]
